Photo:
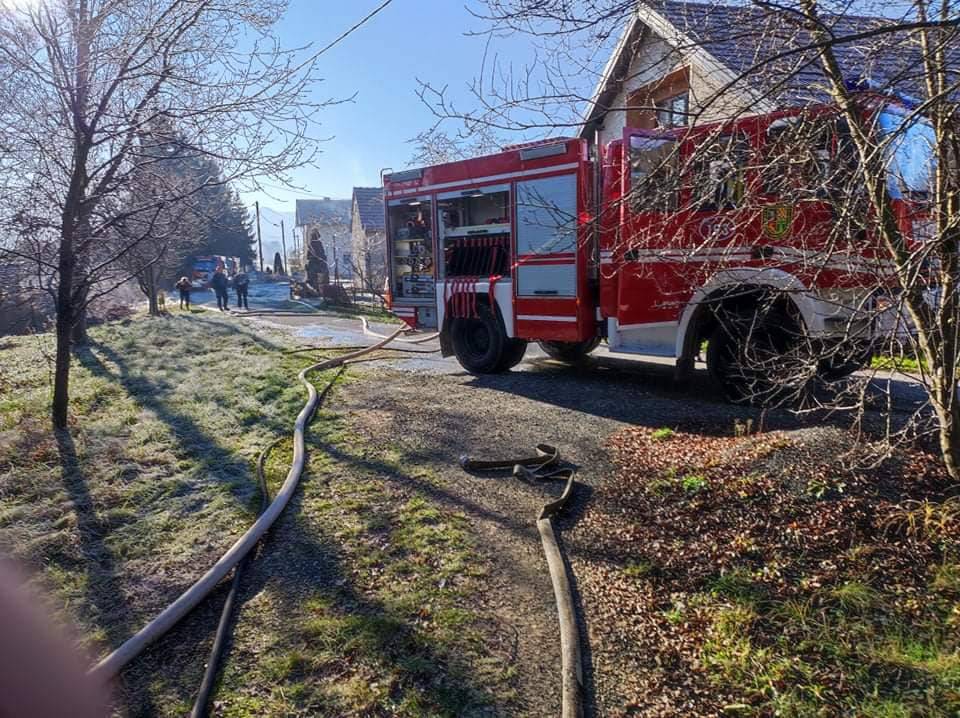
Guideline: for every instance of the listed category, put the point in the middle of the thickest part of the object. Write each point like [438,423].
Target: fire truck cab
[542,243]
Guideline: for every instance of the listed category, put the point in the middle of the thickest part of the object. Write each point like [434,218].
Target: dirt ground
[438,413]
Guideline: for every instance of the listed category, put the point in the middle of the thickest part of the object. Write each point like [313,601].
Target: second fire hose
[172,614]
[546,466]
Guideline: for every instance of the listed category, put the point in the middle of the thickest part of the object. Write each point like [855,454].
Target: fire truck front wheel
[569,352]
[757,357]
[480,343]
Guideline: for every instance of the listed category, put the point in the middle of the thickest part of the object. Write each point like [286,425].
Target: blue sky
[381,62]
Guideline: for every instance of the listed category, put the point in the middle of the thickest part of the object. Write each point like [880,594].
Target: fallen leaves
[695,524]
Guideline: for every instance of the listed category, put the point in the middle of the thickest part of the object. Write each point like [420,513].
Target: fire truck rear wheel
[569,352]
[753,356]
[480,343]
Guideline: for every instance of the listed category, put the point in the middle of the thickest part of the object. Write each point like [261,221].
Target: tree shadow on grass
[310,583]
[153,394]
[103,595]
[295,568]
[175,665]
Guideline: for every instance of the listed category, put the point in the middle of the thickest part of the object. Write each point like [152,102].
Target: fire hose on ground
[542,467]
[172,614]
[222,636]
[546,466]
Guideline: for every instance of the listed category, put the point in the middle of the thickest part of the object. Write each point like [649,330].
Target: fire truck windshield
[910,157]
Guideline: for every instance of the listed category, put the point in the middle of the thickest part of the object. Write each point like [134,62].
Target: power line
[356,27]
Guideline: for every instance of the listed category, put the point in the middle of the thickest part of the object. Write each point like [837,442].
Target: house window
[662,103]
[672,112]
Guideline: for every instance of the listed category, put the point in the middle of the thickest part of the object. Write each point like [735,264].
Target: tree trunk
[61,374]
[65,324]
[78,332]
[150,282]
[945,407]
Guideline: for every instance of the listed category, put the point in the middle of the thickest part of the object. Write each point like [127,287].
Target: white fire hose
[172,614]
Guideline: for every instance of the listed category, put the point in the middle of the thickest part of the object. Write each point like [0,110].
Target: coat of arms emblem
[777,220]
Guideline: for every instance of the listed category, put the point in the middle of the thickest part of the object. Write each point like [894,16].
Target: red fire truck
[542,243]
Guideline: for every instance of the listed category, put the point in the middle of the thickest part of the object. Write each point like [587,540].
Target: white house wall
[654,59]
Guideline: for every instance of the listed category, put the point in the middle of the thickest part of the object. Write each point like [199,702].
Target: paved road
[330,329]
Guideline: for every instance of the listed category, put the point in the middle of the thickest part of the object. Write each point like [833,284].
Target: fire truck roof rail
[404,176]
[536,143]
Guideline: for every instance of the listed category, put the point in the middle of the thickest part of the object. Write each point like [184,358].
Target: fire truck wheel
[755,357]
[513,353]
[569,352]
[845,361]
[480,343]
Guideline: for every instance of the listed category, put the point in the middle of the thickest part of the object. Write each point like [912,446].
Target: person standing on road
[241,282]
[184,286]
[220,283]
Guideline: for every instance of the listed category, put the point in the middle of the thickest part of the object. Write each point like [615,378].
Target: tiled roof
[369,201]
[740,37]
[323,211]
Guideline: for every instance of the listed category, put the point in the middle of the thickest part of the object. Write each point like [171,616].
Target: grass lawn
[358,603]
[904,363]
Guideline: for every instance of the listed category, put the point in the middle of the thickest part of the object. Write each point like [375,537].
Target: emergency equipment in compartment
[517,246]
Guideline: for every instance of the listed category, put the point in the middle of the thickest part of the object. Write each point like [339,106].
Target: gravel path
[436,413]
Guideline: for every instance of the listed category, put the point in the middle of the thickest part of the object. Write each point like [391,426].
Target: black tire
[570,352]
[513,353]
[480,343]
[845,361]
[757,356]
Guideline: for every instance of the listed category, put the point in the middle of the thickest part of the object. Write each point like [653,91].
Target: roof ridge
[754,10]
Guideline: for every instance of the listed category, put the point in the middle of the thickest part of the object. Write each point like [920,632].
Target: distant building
[368,233]
[324,225]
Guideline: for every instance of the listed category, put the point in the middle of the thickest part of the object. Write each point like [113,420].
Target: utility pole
[283,241]
[259,241]
[336,264]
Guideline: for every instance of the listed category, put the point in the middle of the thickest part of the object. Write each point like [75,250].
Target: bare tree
[83,80]
[858,152]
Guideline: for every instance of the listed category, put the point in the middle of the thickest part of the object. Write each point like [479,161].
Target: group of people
[220,283]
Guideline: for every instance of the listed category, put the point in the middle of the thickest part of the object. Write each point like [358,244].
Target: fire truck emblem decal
[777,220]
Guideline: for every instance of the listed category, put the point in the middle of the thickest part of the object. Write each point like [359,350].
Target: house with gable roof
[368,235]
[679,63]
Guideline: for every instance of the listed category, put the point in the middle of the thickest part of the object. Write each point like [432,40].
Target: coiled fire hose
[545,466]
[172,614]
